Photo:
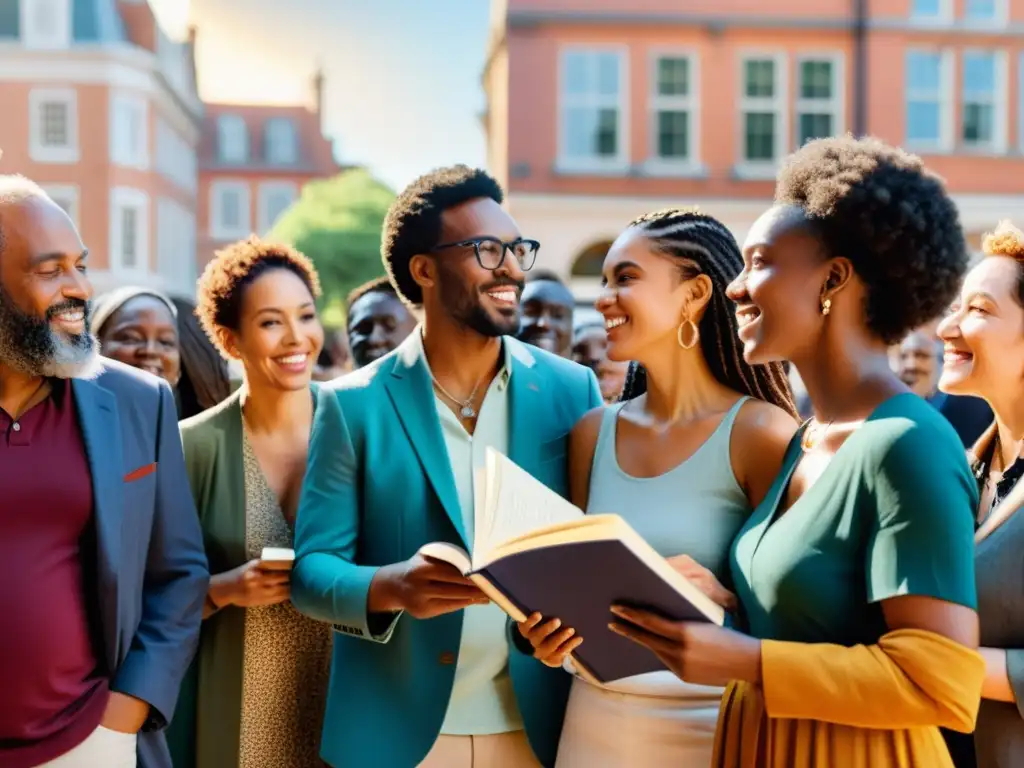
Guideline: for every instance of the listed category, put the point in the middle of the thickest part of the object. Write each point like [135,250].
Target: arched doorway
[590,260]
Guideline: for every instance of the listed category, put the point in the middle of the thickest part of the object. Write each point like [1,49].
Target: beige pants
[500,750]
[103,748]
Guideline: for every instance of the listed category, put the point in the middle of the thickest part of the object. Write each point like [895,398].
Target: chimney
[318,95]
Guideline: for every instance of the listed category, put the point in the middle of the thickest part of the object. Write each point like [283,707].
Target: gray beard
[31,345]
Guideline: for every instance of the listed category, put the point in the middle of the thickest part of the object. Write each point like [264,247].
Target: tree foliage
[337,223]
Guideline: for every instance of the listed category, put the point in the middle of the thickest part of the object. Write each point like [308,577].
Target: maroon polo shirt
[52,692]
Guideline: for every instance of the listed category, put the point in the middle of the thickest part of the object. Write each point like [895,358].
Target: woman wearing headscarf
[139,327]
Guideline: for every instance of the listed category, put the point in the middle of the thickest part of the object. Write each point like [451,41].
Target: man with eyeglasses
[392,458]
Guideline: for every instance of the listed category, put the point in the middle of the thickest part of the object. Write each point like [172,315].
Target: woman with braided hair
[691,448]
[854,578]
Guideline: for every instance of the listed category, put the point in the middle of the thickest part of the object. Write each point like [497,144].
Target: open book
[533,551]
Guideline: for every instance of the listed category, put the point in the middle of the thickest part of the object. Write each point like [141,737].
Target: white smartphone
[277,558]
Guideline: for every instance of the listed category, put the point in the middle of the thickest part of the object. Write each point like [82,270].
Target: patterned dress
[287,655]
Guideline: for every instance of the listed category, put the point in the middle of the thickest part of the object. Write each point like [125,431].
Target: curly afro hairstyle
[1008,241]
[221,287]
[413,223]
[880,208]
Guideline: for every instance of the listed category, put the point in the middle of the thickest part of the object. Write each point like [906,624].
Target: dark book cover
[578,583]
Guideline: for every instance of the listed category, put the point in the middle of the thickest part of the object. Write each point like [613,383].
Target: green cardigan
[207,721]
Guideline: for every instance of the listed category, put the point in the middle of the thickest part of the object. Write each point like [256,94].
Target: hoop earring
[679,334]
[826,307]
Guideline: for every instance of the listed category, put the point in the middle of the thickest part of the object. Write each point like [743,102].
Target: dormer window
[232,139]
[281,146]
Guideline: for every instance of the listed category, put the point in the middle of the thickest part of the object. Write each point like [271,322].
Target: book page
[515,503]
[448,553]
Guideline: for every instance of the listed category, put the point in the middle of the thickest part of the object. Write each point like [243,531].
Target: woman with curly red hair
[258,692]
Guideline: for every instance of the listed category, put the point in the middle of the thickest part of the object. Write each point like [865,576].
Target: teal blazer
[378,487]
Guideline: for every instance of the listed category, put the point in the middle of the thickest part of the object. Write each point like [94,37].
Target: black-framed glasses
[490,251]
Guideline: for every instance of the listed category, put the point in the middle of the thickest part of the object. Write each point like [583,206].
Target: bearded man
[106,574]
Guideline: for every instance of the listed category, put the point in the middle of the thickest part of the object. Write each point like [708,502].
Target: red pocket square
[141,472]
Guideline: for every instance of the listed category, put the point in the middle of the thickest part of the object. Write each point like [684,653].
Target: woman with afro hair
[854,578]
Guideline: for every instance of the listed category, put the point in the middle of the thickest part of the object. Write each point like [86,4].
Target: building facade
[100,107]
[253,162]
[600,110]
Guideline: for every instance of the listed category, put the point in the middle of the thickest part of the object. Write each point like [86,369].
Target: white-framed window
[593,118]
[129,230]
[932,11]
[176,244]
[129,130]
[230,210]
[53,125]
[929,102]
[176,157]
[66,196]
[820,94]
[986,12]
[763,113]
[280,142]
[983,100]
[45,23]
[232,139]
[675,109]
[275,197]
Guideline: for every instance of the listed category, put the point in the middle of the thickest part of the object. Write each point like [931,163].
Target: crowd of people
[862,537]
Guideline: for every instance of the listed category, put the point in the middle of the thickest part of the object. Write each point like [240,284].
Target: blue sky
[403,91]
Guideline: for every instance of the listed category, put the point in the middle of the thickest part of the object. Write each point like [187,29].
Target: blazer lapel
[526,406]
[412,394]
[96,409]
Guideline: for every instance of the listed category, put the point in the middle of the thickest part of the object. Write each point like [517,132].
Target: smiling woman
[984,356]
[138,327]
[246,460]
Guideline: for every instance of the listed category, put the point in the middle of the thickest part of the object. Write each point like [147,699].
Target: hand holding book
[552,643]
[697,652]
[534,553]
[423,587]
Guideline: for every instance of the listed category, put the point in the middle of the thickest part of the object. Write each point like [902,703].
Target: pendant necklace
[808,441]
[466,409]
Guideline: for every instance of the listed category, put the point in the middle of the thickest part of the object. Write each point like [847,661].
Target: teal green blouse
[892,514]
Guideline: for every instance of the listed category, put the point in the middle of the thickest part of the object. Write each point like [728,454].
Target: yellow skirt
[748,738]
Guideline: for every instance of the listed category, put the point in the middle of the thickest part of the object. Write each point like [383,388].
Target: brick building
[253,161]
[599,110]
[101,107]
